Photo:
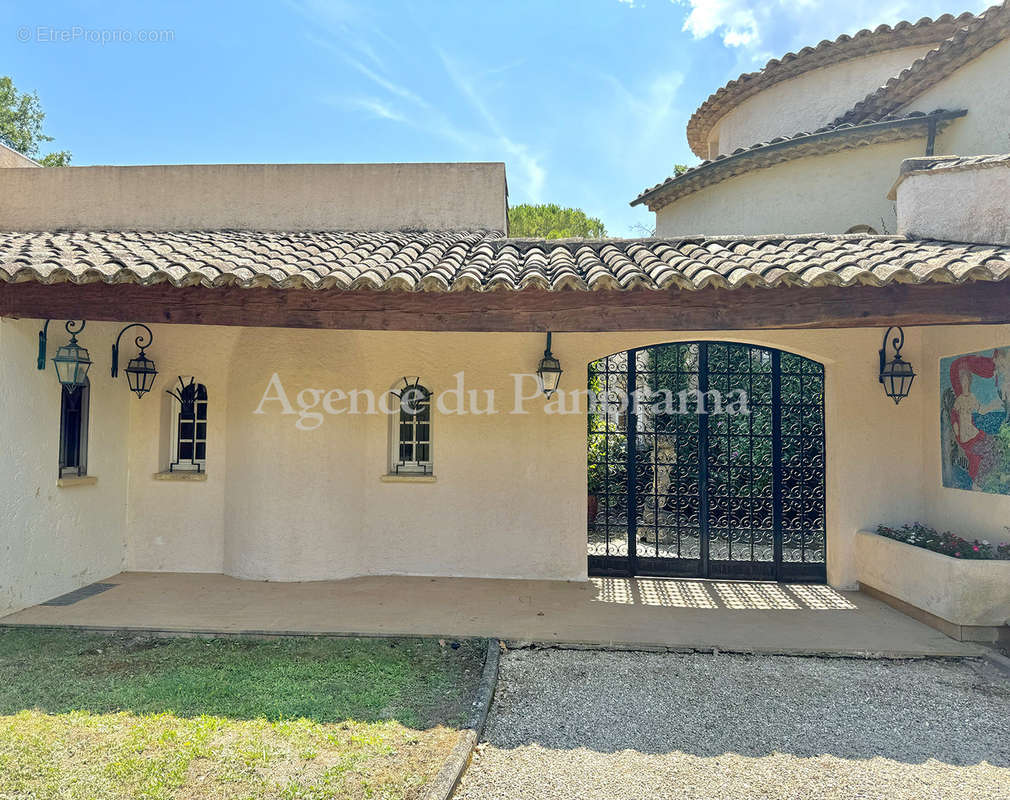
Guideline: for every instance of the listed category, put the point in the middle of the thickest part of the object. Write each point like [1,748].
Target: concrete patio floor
[729,615]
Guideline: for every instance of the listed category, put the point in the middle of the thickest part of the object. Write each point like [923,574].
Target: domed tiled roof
[865,42]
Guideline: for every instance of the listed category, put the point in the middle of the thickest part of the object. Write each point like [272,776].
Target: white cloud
[766,28]
[732,18]
[347,32]
[377,107]
[534,173]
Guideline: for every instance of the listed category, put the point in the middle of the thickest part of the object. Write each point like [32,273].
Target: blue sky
[584,100]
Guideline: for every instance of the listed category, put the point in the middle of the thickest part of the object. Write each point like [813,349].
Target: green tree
[21,118]
[551,221]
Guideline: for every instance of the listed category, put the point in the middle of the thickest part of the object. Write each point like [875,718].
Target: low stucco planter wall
[962,592]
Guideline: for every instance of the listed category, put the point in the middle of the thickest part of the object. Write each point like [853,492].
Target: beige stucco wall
[364,197]
[53,540]
[960,591]
[982,213]
[809,101]
[12,158]
[817,194]
[509,495]
[175,525]
[969,514]
[983,87]
[831,193]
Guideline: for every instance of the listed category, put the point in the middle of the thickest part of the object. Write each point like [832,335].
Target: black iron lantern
[71,360]
[140,372]
[549,371]
[897,374]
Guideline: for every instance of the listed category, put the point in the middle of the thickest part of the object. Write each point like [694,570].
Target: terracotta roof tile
[865,42]
[967,42]
[829,139]
[483,261]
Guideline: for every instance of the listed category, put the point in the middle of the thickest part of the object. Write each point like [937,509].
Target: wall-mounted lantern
[897,374]
[71,360]
[140,372]
[549,371]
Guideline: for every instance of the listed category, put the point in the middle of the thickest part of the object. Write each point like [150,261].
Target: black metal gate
[699,480]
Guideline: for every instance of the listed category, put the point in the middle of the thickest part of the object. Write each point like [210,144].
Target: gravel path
[577,724]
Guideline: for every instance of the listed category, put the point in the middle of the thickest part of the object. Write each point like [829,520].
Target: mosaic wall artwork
[975,421]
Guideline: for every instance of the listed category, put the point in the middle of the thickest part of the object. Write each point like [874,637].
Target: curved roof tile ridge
[968,42]
[828,139]
[826,53]
[687,263]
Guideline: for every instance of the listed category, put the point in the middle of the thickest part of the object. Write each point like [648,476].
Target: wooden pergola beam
[529,310]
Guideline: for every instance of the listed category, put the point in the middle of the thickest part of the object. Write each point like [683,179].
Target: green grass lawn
[93,716]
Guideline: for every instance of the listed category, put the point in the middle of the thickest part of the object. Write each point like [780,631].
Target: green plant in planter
[947,543]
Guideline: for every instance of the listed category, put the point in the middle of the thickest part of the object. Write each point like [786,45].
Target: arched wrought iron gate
[698,480]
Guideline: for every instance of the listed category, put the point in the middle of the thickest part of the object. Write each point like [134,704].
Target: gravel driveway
[576,724]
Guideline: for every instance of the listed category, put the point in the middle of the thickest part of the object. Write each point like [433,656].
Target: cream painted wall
[822,194]
[284,197]
[53,540]
[983,87]
[508,500]
[12,158]
[982,213]
[832,193]
[310,504]
[969,514]
[287,504]
[176,525]
[811,100]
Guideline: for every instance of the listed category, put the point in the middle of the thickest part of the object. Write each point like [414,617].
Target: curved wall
[983,87]
[823,194]
[809,101]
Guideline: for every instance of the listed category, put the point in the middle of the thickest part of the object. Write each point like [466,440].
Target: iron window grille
[75,402]
[412,441]
[189,429]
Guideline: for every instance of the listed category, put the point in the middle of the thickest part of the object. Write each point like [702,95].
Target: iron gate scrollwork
[699,480]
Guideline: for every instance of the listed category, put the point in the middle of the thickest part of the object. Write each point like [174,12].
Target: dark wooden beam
[531,310]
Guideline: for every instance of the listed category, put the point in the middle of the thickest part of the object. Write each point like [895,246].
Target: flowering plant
[947,543]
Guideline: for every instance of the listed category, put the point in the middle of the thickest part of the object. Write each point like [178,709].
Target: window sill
[406,478]
[180,476]
[77,480]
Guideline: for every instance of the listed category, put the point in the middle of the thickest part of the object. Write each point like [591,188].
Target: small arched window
[410,429]
[189,427]
[862,229]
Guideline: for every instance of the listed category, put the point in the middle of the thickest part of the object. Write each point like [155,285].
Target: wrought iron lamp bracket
[897,343]
[139,341]
[44,337]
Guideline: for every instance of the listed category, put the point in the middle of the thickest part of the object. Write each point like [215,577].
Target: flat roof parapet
[288,197]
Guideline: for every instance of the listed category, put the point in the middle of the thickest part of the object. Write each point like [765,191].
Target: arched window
[862,229]
[189,427]
[410,429]
[74,410]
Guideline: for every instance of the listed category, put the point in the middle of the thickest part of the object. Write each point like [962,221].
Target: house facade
[812,142]
[317,372]
[315,287]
